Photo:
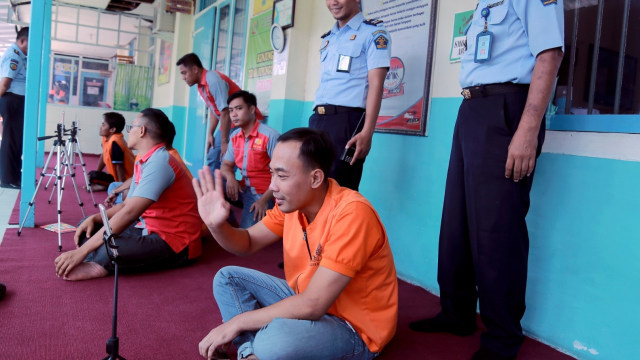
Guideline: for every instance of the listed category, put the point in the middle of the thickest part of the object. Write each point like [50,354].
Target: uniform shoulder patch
[381,42]
[549,2]
[16,51]
[325,34]
[374,22]
[13,66]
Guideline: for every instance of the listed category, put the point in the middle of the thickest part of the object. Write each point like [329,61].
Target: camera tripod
[65,157]
[72,149]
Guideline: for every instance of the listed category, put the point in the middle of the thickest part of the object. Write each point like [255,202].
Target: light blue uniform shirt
[367,45]
[521,30]
[13,65]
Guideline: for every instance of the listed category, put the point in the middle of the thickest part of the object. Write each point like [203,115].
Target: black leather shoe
[439,323]
[3,290]
[486,354]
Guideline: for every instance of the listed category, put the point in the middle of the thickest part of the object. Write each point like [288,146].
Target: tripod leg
[72,173]
[59,192]
[42,175]
[84,171]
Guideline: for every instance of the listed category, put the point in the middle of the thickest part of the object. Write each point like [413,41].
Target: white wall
[88,119]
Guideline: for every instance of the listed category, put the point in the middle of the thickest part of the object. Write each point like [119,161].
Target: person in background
[251,149]
[355,56]
[13,77]
[507,74]
[214,87]
[157,226]
[116,156]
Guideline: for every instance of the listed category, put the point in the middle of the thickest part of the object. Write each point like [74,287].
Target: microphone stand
[113,344]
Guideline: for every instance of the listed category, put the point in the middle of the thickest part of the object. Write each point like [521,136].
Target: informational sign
[260,6]
[461,22]
[259,61]
[410,24]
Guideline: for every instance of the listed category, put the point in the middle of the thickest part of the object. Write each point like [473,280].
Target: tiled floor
[7,201]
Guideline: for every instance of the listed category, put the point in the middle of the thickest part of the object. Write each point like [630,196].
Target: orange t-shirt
[347,237]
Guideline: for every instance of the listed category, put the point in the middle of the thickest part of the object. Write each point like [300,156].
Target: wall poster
[259,60]
[411,25]
[164,62]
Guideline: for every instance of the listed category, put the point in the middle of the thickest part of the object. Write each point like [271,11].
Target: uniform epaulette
[374,22]
[325,34]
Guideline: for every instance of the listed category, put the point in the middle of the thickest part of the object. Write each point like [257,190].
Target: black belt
[493,89]
[334,109]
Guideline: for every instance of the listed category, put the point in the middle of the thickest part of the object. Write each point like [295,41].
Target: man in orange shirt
[116,156]
[340,295]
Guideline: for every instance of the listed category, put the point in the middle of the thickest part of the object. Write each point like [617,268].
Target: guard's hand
[67,261]
[362,142]
[233,188]
[211,142]
[221,336]
[84,230]
[521,157]
[213,208]
[259,209]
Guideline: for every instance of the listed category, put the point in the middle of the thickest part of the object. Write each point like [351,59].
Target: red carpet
[161,315]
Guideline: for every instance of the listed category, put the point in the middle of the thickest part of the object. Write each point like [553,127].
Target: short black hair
[316,148]
[246,96]
[114,120]
[189,60]
[23,33]
[159,127]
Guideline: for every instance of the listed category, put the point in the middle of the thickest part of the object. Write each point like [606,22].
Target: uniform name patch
[549,2]
[381,42]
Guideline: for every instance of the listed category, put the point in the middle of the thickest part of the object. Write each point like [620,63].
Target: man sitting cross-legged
[157,225]
[340,295]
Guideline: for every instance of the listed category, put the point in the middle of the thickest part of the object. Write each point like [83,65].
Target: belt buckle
[466,94]
[321,110]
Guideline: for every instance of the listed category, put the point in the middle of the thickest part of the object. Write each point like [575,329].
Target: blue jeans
[111,188]
[248,196]
[238,290]
[213,155]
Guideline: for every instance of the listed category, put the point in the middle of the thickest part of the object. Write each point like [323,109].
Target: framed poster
[164,62]
[405,99]
[283,11]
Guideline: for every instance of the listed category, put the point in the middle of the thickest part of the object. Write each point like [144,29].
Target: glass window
[238,42]
[223,35]
[605,31]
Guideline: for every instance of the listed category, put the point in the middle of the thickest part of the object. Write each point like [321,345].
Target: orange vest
[128,155]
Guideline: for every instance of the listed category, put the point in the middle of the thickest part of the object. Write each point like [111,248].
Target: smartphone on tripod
[108,234]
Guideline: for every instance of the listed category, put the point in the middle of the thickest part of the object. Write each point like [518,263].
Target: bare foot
[86,271]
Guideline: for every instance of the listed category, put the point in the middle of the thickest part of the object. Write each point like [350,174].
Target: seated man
[116,155]
[340,295]
[157,225]
[251,149]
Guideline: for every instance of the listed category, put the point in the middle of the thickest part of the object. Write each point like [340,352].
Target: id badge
[484,41]
[344,63]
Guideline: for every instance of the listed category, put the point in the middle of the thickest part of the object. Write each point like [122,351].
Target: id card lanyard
[484,40]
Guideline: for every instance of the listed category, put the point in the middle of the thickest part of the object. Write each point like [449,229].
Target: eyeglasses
[130,127]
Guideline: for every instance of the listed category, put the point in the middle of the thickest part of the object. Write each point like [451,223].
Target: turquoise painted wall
[584,272]
[177,115]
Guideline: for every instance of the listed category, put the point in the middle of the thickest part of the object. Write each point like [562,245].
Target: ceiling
[83,27]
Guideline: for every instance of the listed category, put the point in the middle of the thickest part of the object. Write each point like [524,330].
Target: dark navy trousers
[484,243]
[12,112]
[340,127]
